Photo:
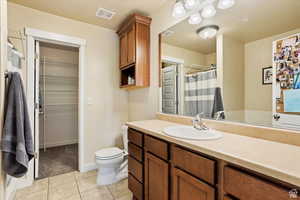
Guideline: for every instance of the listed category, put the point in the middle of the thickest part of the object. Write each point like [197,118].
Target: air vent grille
[167,33]
[104,13]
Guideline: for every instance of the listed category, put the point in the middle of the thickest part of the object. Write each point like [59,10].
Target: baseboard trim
[56,144]
[89,167]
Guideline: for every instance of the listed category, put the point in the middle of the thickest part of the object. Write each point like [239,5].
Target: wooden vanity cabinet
[188,187]
[156,178]
[134,35]
[160,170]
[251,187]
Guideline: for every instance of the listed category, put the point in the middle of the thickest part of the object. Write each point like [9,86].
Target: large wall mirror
[238,64]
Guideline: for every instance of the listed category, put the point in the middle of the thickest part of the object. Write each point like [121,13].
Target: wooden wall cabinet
[134,34]
[160,170]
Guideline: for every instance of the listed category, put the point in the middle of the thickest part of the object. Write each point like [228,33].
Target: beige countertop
[274,159]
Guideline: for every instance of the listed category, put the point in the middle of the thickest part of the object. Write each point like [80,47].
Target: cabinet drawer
[135,137]
[157,147]
[135,187]
[195,164]
[241,185]
[135,168]
[135,151]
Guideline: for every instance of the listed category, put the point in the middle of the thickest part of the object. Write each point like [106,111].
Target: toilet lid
[109,153]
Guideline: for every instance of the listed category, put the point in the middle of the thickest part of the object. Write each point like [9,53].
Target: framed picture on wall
[267,75]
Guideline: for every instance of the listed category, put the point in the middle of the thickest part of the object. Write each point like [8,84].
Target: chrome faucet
[198,123]
[220,115]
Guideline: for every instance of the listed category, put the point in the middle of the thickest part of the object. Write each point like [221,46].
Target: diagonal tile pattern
[74,186]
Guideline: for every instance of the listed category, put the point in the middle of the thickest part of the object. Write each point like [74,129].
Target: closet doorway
[58,109]
[55,94]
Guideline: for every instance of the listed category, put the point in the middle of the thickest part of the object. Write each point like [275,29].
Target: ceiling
[85,10]
[247,21]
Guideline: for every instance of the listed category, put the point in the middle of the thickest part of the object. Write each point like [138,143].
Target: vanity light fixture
[225,4]
[207,32]
[208,11]
[195,18]
[191,4]
[178,9]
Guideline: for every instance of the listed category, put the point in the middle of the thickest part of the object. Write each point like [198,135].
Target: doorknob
[276,117]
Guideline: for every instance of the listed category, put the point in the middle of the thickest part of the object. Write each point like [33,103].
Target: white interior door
[36,107]
[286,91]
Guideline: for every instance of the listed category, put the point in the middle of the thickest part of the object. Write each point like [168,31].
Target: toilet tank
[125,137]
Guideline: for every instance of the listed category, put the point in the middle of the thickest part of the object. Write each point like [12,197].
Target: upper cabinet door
[186,187]
[123,49]
[131,45]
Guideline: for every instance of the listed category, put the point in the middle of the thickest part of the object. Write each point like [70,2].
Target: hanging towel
[17,141]
[218,103]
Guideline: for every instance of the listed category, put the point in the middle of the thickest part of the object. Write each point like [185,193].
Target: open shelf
[128,77]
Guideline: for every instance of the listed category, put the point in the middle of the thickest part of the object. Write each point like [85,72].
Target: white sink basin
[190,133]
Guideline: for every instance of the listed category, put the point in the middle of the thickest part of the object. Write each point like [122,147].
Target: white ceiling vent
[104,13]
[167,33]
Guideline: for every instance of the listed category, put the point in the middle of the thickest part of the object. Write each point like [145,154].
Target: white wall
[109,105]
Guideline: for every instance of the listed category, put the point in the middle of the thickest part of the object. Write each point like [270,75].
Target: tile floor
[74,186]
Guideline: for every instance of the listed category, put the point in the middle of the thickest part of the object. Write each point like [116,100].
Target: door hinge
[36,56]
[35,155]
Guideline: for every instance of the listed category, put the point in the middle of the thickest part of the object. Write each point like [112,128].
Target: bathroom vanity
[233,167]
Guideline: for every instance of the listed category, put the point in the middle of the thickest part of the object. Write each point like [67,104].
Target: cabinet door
[123,50]
[131,45]
[187,187]
[156,178]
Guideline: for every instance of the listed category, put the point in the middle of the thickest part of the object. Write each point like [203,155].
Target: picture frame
[267,75]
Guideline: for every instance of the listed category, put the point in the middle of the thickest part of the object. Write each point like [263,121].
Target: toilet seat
[109,153]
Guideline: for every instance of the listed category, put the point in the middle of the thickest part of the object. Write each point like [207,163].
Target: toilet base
[111,175]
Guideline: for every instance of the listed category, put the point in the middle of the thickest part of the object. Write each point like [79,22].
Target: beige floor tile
[63,191]
[79,175]
[98,193]
[68,178]
[87,183]
[38,186]
[119,189]
[125,197]
[39,195]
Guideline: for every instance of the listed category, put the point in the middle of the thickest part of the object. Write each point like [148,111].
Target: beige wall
[233,74]
[189,57]
[109,109]
[211,59]
[258,54]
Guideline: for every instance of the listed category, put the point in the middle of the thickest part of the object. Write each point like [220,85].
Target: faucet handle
[220,114]
[199,116]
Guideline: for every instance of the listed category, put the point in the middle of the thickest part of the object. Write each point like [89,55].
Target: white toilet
[112,162]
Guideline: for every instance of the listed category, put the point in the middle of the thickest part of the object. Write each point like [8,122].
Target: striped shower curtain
[200,89]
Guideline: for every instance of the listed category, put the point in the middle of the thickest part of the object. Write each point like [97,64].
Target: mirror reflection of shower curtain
[199,93]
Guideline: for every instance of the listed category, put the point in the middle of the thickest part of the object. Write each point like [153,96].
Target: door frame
[33,35]
[180,63]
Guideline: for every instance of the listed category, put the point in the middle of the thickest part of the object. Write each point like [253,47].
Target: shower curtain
[201,94]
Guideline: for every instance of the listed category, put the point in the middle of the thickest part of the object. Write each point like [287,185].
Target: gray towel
[17,141]
[218,103]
